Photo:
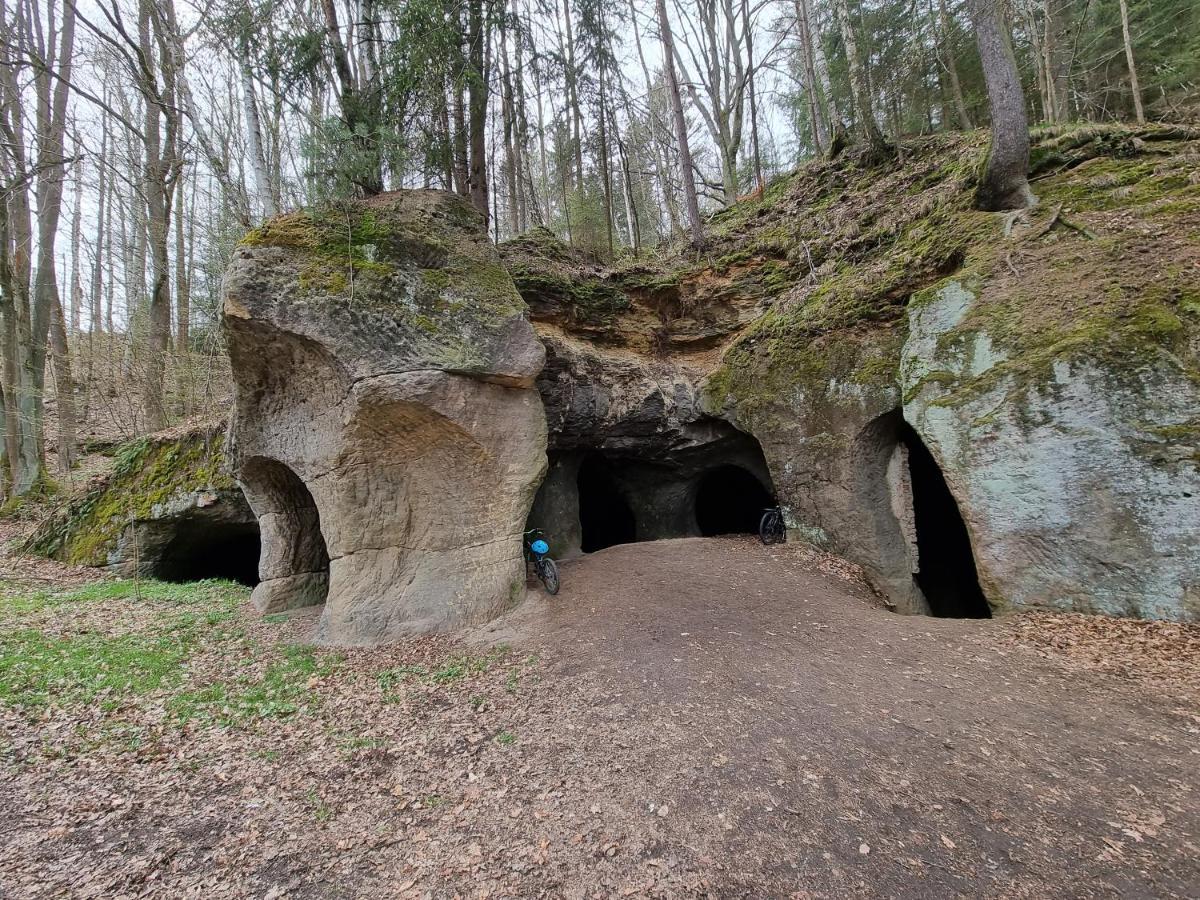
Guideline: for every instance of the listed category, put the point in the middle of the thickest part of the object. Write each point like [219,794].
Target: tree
[818,119]
[41,49]
[860,88]
[1134,88]
[1004,183]
[681,132]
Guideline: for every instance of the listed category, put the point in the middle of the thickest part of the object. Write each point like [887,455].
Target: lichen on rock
[386,429]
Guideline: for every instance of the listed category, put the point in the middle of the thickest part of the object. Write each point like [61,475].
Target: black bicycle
[771,529]
[536,552]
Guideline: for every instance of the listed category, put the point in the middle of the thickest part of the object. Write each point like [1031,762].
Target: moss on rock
[1073,278]
[147,474]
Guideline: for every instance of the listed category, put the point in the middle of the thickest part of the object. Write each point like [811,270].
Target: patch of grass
[507,738]
[321,810]
[453,670]
[282,690]
[38,669]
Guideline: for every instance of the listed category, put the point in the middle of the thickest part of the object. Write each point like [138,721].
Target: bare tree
[681,133]
[38,41]
[812,88]
[1134,88]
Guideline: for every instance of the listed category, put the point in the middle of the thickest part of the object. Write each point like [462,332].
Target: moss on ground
[146,473]
[1105,265]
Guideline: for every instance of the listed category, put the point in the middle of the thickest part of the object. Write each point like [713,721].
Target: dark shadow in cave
[201,549]
[604,515]
[730,500]
[291,525]
[947,575]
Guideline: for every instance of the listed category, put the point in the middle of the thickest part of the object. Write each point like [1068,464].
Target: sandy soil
[704,717]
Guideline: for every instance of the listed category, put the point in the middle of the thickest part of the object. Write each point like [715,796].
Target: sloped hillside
[856,318]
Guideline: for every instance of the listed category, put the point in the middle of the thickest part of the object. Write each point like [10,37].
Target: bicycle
[536,552]
[771,529]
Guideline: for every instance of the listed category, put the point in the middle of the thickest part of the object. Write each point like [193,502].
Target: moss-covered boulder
[1047,360]
[386,428]
[164,493]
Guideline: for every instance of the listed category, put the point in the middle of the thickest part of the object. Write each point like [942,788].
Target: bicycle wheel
[770,527]
[547,570]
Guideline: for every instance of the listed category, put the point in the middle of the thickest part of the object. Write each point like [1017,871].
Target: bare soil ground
[704,717]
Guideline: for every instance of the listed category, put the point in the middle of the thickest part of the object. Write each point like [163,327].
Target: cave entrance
[605,517]
[946,570]
[294,564]
[201,549]
[730,500]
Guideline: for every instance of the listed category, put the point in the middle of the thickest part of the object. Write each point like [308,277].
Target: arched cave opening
[296,560]
[730,500]
[201,549]
[947,575]
[605,517]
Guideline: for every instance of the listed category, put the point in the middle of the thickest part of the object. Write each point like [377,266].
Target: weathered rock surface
[1079,483]
[169,508]
[1048,363]
[941,395]
[386,419]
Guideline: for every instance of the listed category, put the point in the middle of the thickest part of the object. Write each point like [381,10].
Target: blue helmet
[539,547]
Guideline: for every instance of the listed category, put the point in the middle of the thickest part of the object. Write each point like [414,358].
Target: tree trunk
[1005,182]
[508,123]
[947,54]
[64,388]
[477,101]
[660,164]
[860,89]
[75,285]
[681,136]
[754,148]
[183,291]
[1134,88]
[254,140]
[816,114]
[573,98]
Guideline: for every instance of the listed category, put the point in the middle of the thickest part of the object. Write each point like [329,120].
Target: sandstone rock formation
[386,430]
[985,412]
[168,509]
[627,352]
[1078,473]
[1040,375]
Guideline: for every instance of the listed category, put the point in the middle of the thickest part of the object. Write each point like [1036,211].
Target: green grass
[452,671]
[42,666]
[15,601]
[281,691]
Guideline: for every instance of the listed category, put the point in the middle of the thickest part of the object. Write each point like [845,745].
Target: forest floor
[703,717]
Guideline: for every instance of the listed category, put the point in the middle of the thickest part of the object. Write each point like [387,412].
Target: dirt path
[791,724]
[687,718]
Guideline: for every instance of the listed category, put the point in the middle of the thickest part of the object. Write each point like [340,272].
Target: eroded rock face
[386,429]
[1037,379]
[168,509]
[1079,485]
